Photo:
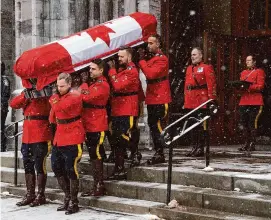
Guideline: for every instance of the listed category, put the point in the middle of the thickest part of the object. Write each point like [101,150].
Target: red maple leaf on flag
[101,32]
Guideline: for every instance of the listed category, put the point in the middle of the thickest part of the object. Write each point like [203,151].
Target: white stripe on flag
[82,47]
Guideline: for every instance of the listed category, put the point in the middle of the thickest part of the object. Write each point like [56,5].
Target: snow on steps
[134,206]
[229,201]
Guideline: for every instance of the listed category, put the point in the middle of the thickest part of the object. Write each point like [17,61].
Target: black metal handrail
[180,127]
[15,135]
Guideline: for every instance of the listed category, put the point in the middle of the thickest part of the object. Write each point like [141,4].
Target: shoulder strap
[249,74]
[194,77]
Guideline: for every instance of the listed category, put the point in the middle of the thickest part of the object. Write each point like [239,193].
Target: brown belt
[67,121]
[36,117]
[87,105]
[153,81]
[190,87]
[116,94]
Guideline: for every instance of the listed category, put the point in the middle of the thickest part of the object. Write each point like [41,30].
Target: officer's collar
[131,64]
[98,78]
[197,64]
[69,90]
[251,68]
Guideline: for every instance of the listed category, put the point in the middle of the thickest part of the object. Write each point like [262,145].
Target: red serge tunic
[67,107]
[95,97]
[34,131]
[156,72]
[253,95]
[125,91]
[199,75]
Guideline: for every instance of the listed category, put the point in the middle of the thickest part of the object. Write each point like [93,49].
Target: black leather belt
[36,117]
[67,121]
[190,87]
[116,94]
[152,81]
[87,105]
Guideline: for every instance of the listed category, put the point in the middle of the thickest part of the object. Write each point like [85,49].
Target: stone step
[117,204]
[235,202]
[253,177]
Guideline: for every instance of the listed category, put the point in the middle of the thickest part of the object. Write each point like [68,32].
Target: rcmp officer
[5,95]
[124,106]
[200,86]
[69,136]
[251,102]
[36,145]
[158,94]
[95,97]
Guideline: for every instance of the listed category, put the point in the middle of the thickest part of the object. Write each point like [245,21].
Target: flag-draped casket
[75,52]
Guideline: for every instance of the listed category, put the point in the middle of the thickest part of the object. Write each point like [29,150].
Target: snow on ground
[9,211]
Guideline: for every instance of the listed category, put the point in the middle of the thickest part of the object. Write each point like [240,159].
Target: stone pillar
[104,15]
[81,15]
[144,6]
[91,13]
[115,9]
[129,6]
[155,9]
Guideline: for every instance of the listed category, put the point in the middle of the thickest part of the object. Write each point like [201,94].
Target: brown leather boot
[119,170]
[157,158]
[199,152]
[73,206]
[252,145]
[99,188]
[193,150]
[40,199]
[94,174]
[30,180]
[64,184]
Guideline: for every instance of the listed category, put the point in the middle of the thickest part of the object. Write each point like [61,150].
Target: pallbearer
[95,95]
[69,136]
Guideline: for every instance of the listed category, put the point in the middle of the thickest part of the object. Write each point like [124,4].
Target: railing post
[207,142]
[16,155]
[169,178]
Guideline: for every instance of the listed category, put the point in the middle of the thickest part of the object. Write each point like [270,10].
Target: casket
[75,52]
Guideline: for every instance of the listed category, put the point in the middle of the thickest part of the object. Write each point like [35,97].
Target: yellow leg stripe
[166,110]
[125,137]
[99,144]
[159,126]
[257,117]
[49,146]
[79,155]
[205,125]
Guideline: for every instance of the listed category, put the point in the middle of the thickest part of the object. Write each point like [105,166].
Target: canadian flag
[76,51]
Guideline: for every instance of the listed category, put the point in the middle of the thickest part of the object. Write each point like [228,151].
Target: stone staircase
[238,188]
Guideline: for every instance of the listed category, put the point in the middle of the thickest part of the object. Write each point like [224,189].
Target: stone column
[91,13]
[115,9]
[144,6]
[104,9]
[129,6]
[81,15]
